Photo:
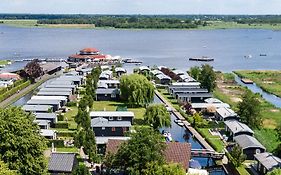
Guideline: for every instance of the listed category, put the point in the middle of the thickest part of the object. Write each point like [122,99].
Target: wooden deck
[195,134]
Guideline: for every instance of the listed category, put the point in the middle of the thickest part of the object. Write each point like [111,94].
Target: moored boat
[203,58]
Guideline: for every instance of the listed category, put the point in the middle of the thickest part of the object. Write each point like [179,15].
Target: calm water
[162,47]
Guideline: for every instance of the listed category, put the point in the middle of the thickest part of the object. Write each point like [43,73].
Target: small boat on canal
[167,135]
[179,122]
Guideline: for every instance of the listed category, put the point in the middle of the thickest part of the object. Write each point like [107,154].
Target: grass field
[269,81]
[67,150]
[215,141]
[4,62]
[69,117]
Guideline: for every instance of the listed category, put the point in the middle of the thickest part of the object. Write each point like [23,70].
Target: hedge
[57,143]
[62,125]
[65,134]
[14,90]
[71,104]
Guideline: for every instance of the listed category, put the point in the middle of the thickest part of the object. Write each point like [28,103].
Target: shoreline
[213,26]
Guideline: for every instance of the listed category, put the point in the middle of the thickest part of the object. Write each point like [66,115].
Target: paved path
[25,91]
[201,140]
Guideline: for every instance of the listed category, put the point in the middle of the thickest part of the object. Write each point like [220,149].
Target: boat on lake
[203,58]
[248,56]
[263,55]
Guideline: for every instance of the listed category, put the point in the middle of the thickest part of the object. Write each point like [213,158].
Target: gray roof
[61,82]
[34,108]
[236,127]
[61,162]
[156,72]
[45,115]
[59,86]
[111,114]
[189,90]
[70,78]
[212,100]
[246,141]
[268,160]
[53,97]
[178,72]
[226,112]
[56,90]
[120,69]
[104,140]
[72,73]
[206,105]
[102,122]
[142,68]
[42,122]
[107,91]
[187,84]
[194,95]
[187,78]
[43,102]
[162,76]
[109,81]
[53,93]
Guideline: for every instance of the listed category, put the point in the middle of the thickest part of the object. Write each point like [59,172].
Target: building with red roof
[87,55]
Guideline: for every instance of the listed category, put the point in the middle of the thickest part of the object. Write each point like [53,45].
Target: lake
[154,47]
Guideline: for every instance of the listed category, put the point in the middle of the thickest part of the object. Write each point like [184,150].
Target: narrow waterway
[181,134]
[273,99]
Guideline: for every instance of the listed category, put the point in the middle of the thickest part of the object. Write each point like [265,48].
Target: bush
[62,125]
[57,143]
[71,103]
[60,117]
[65,134]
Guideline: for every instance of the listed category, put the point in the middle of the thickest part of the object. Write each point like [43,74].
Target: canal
[273,99]
[181,134]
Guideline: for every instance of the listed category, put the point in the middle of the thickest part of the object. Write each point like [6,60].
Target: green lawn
[112,105]
[242,170]
[214,141]
[69,116]
[268,138]
[168,97]
[67,149]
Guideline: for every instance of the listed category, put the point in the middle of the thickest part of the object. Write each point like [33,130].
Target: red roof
[9,76]
[77,56]
[175,152]
[89,50]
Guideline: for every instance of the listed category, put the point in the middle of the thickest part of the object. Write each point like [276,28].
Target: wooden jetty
[204,58]
[247,81]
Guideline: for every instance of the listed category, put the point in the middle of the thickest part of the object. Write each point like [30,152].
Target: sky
[141,6]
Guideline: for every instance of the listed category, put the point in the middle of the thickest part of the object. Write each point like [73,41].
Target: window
[103,128]
[119,118]
[113,129]
[124,129]
[110,118]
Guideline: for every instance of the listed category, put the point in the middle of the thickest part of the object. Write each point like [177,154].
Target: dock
[187,125]
[207,59]
[247,81]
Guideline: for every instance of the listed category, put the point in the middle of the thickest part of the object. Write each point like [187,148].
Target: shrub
[62,125]
[71,103]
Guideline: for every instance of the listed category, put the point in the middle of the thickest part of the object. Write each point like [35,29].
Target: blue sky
[142,6]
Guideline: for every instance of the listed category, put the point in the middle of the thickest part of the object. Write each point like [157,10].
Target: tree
[207,77]
[136,90]
[278,130]
[277,151]
[5,170]
[83,119]
[163,169]
[21,144]
[276,171]
[249,109]
[195,72]
[145,146]
[237,156]
[157,116]
[33,69]
[81,170]
[198,120]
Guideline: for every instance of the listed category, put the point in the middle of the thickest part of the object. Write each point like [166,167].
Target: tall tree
[194,72]
[33,69]
[145,146]
[249,109]
[157,116]
[278,130]
[21,144]
[5,170]
[81,170]
[83,119]
[136,90]
[237,156]
[207,77]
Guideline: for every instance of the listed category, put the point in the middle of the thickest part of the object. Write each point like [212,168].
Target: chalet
[61,86]
[266,162]
[175,152]
[114,115]
[104,127]
[175,91]
[84,71]
[52,117]
[55,103]
[108,84]
[107,94]
[120,71]
[212,100]
[106,75]
[162,79]
[87,55]
[249,145]
[178,72]
[63,99]
[56,90]
[224,114]
[156,72]
[48,134]
[37,108]
[193,97]
[62,163]
[144,68]
[236,128]
[61,82]
[77,80]
[72,73]
[43,124]
[55,93]
[186,78]
[204,106]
